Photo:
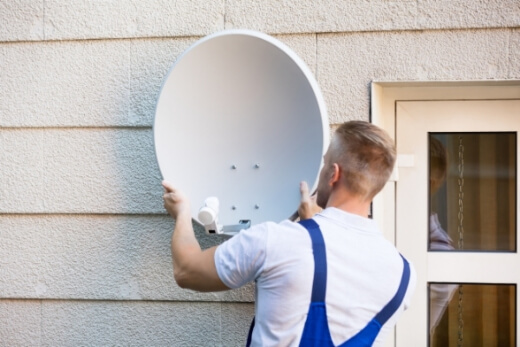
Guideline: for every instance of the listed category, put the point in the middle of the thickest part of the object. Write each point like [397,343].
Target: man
[324,281]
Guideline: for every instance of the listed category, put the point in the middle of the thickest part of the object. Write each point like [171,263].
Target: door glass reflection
[472,314]
[472,192]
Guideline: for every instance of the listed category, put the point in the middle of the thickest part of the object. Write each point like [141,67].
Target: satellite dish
[240,118]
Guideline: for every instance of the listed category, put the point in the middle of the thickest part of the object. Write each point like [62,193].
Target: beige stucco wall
[84,239]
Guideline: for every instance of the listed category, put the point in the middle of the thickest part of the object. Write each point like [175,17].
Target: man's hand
[175,202]
[308,207]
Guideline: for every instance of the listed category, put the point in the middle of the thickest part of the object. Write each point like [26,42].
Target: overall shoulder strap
[319,287]
[316,332]
[320,260]
[250,333]
[368,334]
[394,304]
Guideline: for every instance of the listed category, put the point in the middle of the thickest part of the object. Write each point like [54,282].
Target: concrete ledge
[95,83]
[347,63]
[79,171]
[357,16]
[20,322]
[70,83]
[79,20]
[84,83]
[95,257]
[130,323]
[22,20]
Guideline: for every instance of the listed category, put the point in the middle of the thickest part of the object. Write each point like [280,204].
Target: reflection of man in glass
[440,294]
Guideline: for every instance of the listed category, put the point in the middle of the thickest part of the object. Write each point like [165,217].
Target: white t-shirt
[363,273]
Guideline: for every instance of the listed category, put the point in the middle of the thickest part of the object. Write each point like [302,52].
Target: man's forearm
[192,267]
[184,247]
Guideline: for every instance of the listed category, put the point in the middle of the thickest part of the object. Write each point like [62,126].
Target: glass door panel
[472,196]
[476,315]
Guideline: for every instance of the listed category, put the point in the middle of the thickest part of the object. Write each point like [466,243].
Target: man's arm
[193,268]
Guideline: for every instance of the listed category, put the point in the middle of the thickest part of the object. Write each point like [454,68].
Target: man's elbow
[181,278]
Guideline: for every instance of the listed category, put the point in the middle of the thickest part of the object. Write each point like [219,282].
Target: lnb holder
[235,228]
[208,216]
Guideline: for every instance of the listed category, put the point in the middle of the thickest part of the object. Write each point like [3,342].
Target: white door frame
[383,113]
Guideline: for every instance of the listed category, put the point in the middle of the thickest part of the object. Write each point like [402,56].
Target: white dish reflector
[241,118]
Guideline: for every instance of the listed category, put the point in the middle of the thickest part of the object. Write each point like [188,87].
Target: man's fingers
[168,187]
[304,190]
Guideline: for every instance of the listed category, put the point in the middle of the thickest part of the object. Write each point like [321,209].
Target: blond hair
[366,155]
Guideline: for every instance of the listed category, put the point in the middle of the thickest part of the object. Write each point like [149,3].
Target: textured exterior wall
[84,239]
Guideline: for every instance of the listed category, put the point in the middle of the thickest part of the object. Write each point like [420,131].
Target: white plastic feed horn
[208,215]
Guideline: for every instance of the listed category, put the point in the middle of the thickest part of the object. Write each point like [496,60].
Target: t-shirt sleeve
[241,259]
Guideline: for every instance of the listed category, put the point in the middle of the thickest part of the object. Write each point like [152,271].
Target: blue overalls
[316,330]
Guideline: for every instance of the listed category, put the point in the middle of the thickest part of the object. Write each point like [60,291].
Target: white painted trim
[383,113]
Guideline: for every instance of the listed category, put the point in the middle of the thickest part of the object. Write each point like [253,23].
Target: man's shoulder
[268,227]
[263,233]
[276,227]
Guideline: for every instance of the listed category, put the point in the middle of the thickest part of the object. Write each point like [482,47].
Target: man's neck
[349,203]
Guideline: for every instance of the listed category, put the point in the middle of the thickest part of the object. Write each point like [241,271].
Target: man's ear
[335,174]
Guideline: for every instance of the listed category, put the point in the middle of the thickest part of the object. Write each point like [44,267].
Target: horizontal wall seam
[79,214]
[68,127]
[101,38]
[324,32]
[184,301]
